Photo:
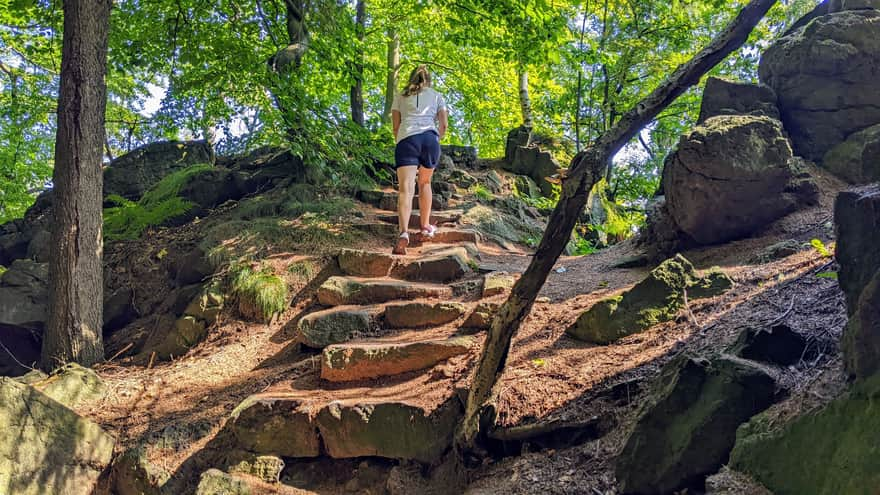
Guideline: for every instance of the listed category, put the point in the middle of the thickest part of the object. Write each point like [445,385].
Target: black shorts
[419,149]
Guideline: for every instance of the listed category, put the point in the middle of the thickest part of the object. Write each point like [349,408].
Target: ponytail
[419,79]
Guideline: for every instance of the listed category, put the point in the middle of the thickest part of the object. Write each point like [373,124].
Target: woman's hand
[442,122]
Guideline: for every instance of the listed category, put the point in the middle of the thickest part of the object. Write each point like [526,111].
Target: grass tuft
[261,294]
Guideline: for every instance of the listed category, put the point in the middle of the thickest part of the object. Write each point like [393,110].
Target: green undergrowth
[304,270]
[260,292]
[255,239]
[2,270]
[481,192]
[291,202]
[161,203]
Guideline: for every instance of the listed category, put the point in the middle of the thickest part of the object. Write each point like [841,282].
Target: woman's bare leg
[406,178]
[426,196]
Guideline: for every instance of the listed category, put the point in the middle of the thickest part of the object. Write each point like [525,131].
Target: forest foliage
[208,69]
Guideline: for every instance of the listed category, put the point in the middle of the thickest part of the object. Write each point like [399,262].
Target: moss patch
[832,451]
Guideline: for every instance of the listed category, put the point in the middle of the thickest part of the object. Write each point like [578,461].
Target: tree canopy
[209,68]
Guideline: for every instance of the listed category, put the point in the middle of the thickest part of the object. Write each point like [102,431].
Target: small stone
[498,283]
[264,467]
[481,317]
[216,482]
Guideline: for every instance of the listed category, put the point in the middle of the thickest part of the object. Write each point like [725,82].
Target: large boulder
[688,430]
[857,224]
[654,300]
[24,294]
[535,163]
[47,448]
[841,5]
[825,76]
[857,159]
[134,173]
[269,166]
[733,175]
[827,451]
[723,97]
[461,156]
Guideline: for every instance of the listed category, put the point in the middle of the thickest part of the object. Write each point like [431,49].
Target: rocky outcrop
[829,451]
[857,225]
[654,300]
[856,160]
[825,76]
[733,175]
[522,157]
[23,314]
[723,97]
[52,450]
[461,156]
[688,430]
[132,174]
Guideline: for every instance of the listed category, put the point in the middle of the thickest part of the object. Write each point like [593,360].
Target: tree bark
[524,101]
[73,330]
[587,168]
[393,71]
[357,89]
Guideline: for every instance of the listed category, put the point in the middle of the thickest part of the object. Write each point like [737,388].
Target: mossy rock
[654,300]
[835,450]
[133,474]
[390,429]
[267,468]
[216,482]
[422,314]
[72,385]
[266,426]
[333,326]
[688,430]
[46,447]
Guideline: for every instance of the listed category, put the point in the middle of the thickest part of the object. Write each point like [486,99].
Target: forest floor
[549,377]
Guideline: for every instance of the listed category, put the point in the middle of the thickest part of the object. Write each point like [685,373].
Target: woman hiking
[420,118]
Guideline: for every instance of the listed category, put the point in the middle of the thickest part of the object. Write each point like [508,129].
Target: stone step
[449,216]
[336,325]
[358,263]
[421,314]
[284,425]
[365,360]
[441,266]
[340,291]
[381,229]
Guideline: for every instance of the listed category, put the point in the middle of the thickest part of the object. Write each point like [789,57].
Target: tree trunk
[587,168]
[357,89]
[525,102]
[393,70]
[73,330]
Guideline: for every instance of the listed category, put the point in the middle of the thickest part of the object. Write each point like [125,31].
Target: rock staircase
[385,325]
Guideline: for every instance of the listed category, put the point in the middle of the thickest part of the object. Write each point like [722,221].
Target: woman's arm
[442,122]
[395,122]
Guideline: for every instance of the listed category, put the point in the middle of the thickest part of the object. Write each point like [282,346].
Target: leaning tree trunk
[587,168]
[357,88]
[525,102]
[393,71]
[73,330]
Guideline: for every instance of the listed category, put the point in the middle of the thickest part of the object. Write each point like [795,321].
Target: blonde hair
[419,79]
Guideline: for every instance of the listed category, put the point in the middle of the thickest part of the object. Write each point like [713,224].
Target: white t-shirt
[418,113]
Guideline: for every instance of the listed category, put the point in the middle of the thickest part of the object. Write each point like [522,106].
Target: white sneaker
[429,231]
